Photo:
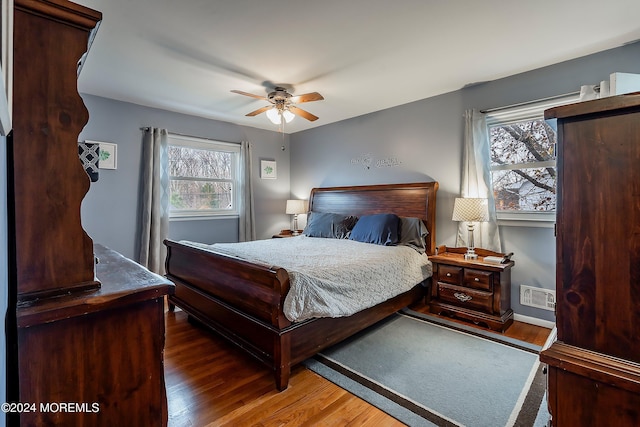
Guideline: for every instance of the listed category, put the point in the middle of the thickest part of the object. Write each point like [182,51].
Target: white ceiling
[361,55]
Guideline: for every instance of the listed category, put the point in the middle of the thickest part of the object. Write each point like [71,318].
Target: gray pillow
[330,225]
[413,233]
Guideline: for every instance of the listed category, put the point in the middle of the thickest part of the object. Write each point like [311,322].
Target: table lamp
[296,207]
[471,210]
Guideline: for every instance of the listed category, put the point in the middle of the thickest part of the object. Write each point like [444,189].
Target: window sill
[538,220]
[202,217]
[525,223]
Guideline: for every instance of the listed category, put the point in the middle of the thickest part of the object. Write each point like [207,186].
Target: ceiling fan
[282,105]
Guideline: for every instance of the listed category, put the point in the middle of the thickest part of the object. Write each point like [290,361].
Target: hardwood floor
[212,383]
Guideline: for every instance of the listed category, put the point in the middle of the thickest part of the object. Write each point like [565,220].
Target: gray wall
[426,138]
[110,210]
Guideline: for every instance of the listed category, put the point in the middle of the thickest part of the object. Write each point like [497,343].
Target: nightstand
[286,233]
[472,289]
[282,235]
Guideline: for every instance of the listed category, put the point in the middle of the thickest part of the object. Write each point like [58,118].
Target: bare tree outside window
[523,171]
[202,180]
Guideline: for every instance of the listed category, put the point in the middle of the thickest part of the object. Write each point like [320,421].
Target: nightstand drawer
[465,297]
[450,274]
[477,279]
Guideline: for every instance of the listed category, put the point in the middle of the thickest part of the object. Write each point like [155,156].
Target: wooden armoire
[594,366]
[89,322]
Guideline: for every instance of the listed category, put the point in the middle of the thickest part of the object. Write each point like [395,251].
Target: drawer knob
[476,279]
[462,296]
[448,274]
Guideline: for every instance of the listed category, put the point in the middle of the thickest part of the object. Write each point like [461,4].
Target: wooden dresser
[101,351]
[594,366]
[472,289]
[89,338]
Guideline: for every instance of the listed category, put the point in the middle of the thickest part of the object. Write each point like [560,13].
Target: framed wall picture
[108,155]
[268,169]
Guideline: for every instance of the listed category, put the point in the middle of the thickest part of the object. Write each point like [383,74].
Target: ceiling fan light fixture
[283,108]
[288,116]
[274,115]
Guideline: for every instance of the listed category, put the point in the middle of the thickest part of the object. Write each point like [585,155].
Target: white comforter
[333,277]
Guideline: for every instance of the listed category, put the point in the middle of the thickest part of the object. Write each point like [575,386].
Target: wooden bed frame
[243,301]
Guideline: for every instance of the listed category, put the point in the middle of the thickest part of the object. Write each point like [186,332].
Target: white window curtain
[155,199]
[246,220]
[476,181]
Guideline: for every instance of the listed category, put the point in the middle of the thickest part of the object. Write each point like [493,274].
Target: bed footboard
[239,300]
[255,290]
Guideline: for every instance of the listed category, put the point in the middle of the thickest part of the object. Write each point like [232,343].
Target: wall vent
[537,297]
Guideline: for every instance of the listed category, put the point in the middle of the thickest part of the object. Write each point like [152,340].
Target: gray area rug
[425,374]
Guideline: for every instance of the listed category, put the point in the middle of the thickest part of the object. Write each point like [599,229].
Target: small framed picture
[108,155]
[268,169]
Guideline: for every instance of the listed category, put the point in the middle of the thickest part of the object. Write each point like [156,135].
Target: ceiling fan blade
[249,94]
[260,111]
[307,97]
[300,112]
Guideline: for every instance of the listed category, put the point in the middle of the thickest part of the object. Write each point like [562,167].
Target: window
[203,177]
[523,161]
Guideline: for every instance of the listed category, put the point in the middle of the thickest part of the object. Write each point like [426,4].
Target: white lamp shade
[471,209]
[296,207]
[288,116]
[274,115]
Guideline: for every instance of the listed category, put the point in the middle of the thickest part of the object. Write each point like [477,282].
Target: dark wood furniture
[243,301]
[472,289]
[287,233]
[594,366]
[88,336]
[101,347]
[48,116]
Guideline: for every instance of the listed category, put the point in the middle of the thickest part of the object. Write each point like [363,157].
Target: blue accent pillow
[380,229]
[329,225]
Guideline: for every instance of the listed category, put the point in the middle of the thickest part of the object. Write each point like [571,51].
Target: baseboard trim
[534,321]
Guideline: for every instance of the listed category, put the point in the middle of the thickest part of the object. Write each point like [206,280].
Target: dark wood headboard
[409,200]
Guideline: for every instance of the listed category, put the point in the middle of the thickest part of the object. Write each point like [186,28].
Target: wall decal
[367,162]
[363,160]
[389,162]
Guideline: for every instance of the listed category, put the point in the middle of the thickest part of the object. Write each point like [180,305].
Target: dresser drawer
[450,274]
[465,297]
[477,279]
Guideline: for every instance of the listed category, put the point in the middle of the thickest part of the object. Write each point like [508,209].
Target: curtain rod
[522,104]
[146,128]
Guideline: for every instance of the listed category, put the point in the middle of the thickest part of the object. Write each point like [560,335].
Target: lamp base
[471,253]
